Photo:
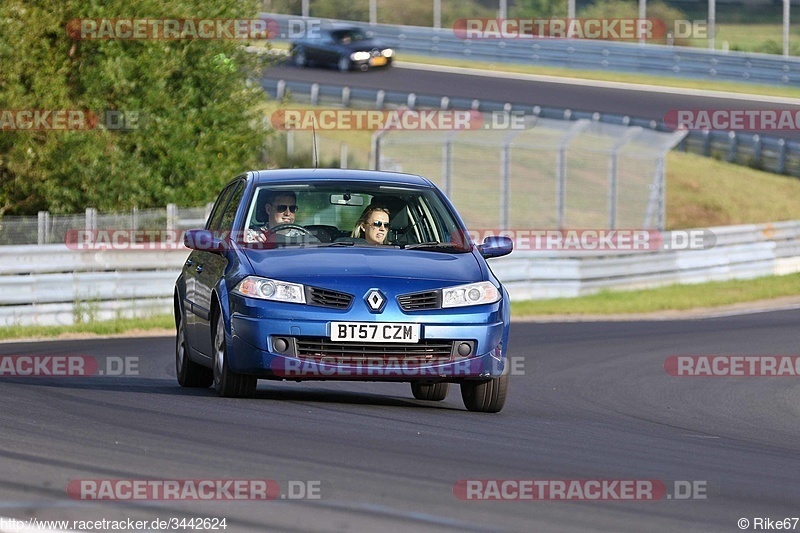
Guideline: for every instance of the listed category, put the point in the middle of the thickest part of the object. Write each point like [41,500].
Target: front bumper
[253,351]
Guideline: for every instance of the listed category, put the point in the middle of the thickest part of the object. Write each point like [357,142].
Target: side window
[219,208]
[226,223]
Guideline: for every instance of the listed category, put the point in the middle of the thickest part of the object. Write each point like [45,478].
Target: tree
[196,102]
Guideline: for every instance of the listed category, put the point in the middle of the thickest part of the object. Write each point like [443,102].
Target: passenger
[373,225]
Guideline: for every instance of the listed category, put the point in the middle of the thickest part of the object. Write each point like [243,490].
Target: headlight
[471,294]
[271,289]
[359,56]
[387,53]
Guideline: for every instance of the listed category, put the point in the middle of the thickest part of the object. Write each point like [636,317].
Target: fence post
[315,94]
[757,146]
[613,174]
[375,152]
[343,155]
[447,164]
[90,220]
[172,217]
[43,232]
[781,156]
[732,148]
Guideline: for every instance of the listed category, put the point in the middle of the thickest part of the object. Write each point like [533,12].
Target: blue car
[341,275]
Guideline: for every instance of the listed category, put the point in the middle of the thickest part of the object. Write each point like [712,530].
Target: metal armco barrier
[52,284]
[608,56]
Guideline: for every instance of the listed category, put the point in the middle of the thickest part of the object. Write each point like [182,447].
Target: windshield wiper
[341,243]
[446,245]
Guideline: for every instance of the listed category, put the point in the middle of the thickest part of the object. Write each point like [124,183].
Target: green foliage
[629,9]
[195,100]
[411,13]
[539,9]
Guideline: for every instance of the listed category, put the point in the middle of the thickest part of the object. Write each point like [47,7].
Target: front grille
[328,298]
[420,300]
[425,351]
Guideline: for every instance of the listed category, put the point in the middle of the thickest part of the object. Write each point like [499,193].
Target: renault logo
[375,300]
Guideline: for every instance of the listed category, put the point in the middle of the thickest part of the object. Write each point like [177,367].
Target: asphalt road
[588,401]
[637,103]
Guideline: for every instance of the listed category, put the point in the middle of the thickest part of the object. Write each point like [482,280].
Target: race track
[588,401]
[641,102]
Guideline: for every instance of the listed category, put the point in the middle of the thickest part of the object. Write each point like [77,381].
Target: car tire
[190,374]
[300,58]
[227,383]
[343,64]
[432,392]
[485,396]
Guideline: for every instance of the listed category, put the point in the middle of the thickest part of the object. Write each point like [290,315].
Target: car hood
[364,46]
[309,265]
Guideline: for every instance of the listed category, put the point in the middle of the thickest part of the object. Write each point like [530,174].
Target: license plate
[374,332]
[377,61]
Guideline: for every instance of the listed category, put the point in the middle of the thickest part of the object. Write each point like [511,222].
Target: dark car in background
[344,46]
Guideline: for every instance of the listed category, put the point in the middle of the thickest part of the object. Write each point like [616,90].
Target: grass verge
[671,298]
[111,327]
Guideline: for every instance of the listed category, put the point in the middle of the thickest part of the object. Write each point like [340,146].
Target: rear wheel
[227,383]
[485,396]
[432,392]
[189,373]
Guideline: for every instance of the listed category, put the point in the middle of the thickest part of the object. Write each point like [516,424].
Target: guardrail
[607,56]
[53,284]
[768,153]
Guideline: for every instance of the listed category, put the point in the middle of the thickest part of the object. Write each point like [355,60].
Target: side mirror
[496,246]
[203,240]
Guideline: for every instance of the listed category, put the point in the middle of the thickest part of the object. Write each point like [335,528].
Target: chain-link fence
[47,228]
[548,174]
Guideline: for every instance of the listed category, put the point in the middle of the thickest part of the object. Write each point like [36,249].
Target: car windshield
[352,214]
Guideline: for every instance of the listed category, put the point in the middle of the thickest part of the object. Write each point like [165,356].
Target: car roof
[264,177]
[339,26]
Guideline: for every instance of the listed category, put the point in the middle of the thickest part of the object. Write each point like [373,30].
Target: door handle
[199,268]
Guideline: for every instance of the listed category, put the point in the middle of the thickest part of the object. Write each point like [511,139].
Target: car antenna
[314,131]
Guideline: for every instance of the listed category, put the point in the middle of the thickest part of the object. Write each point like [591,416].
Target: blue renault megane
[341,275]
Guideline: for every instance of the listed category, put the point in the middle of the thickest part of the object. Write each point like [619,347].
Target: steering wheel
[281,227]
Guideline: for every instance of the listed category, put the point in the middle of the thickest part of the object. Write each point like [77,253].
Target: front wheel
[485,396]
[432,392]
[189,373]
[300,58]
[227,383]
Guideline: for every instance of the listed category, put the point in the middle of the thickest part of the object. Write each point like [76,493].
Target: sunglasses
[283,207]
[379,223]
